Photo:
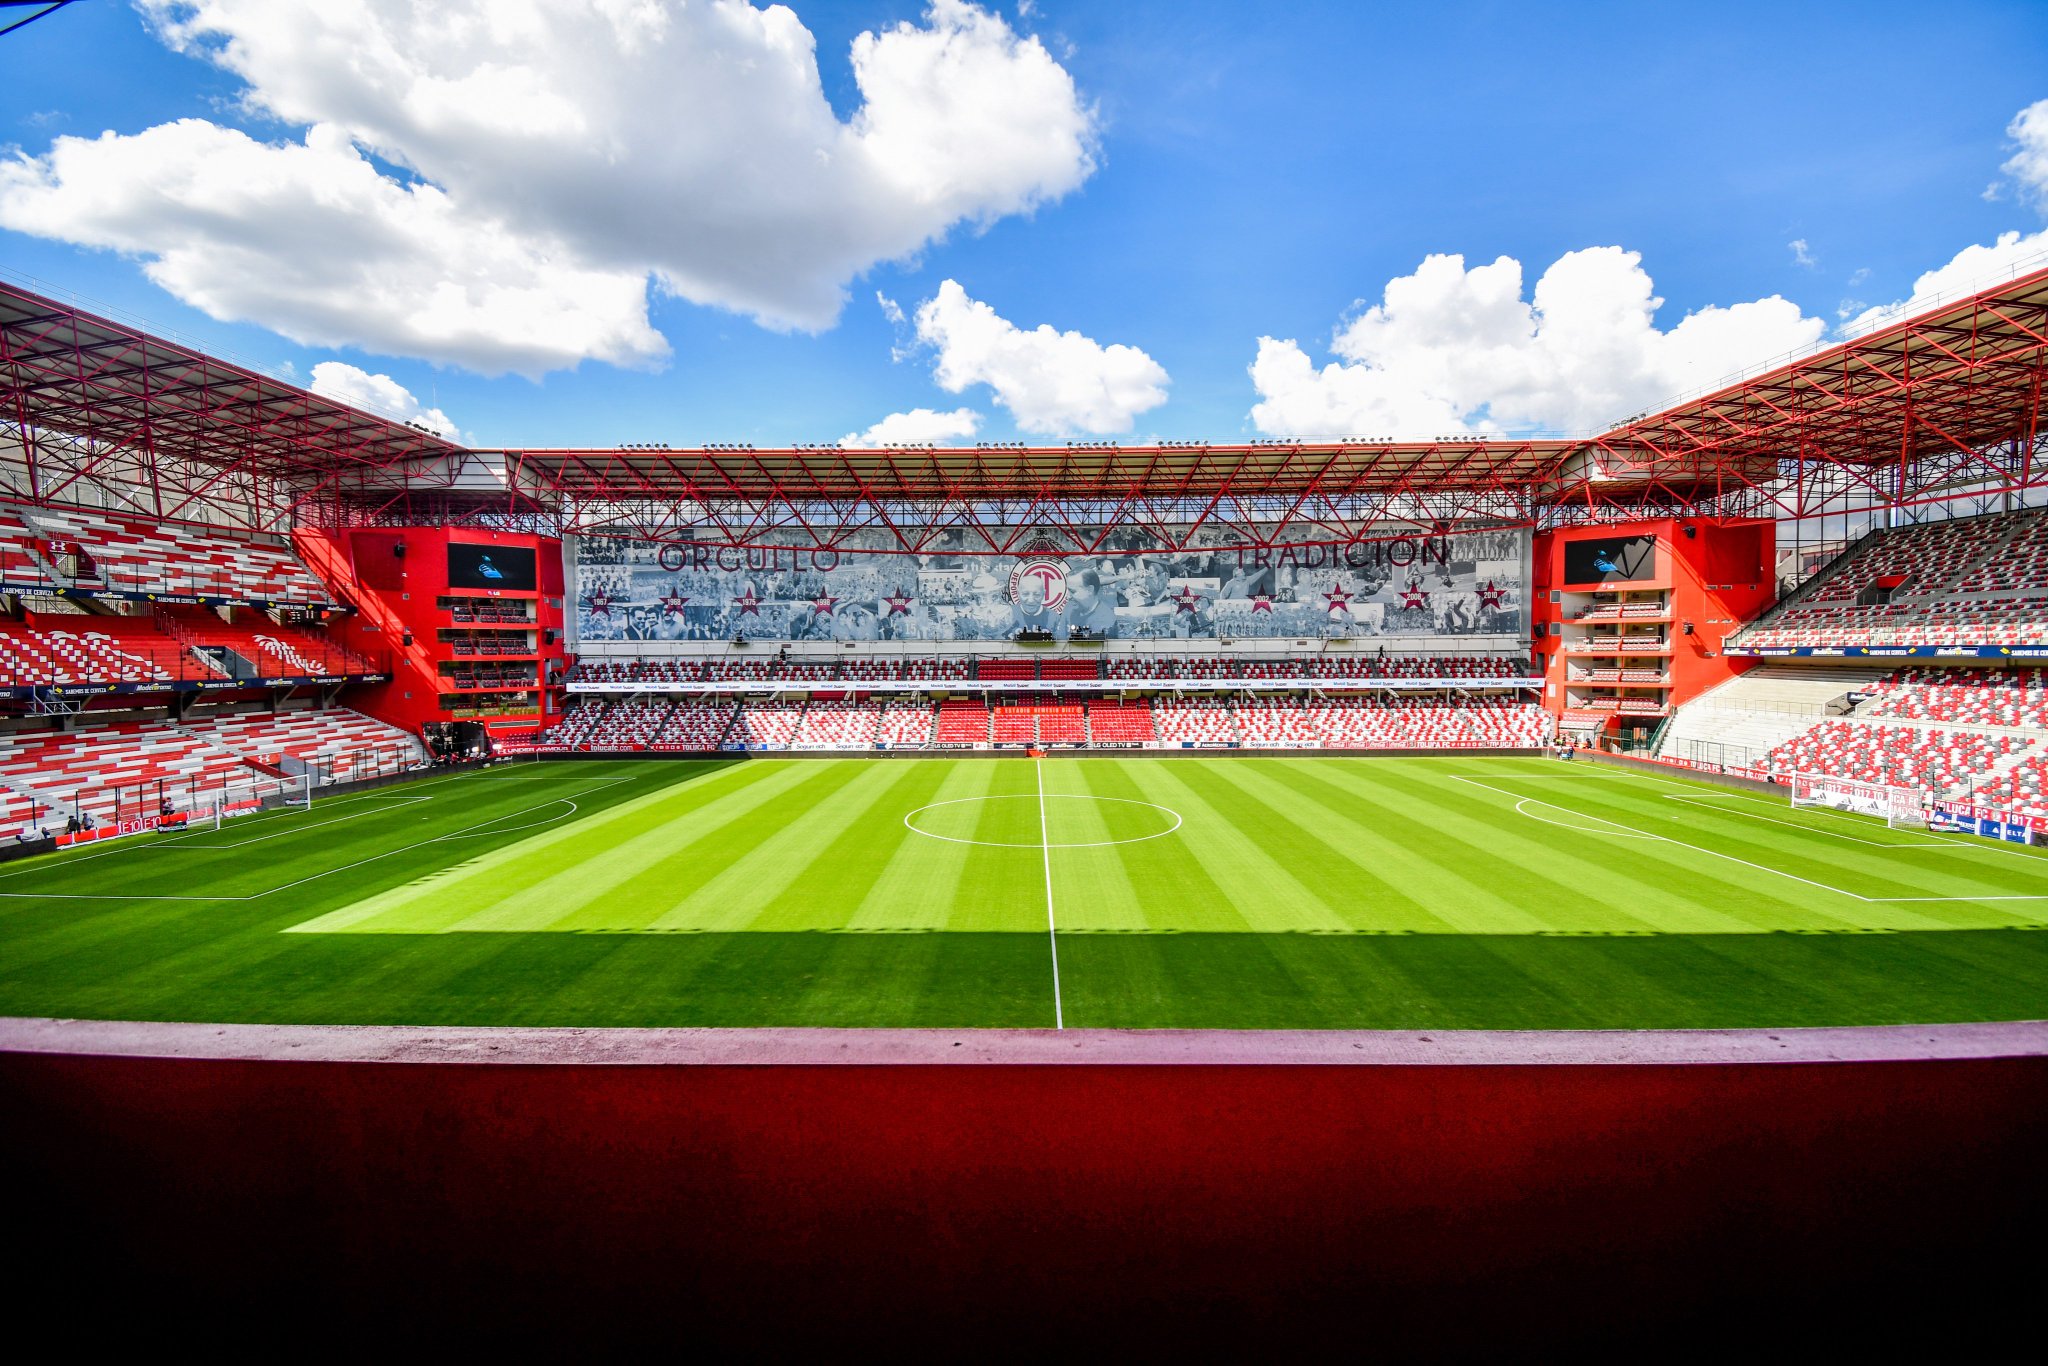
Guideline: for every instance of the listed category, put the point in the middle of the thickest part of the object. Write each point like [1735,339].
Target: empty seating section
[904,725]
[274,650]
[1362,724]
[739,670]
[143,557]
[574,726]
[2023,565]
[624,725]
[770,726]
[17,564]
[961,722]
[1061,723]
[1981,697]
[1974,581]
[649,671]
[341,745]
[1006,669]
[18,813]
[2021,790]
[839,725]
[92,649]
[122,771]
[1121,723]
[1070,670]
[1196,721]
[635,725]
[1936,760]
[1014,725]
[84,648]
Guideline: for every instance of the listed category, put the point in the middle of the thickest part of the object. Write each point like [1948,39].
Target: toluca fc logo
[1051,580]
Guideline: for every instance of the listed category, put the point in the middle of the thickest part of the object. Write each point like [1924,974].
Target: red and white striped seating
[145,557]
[342,744]
[1898,756]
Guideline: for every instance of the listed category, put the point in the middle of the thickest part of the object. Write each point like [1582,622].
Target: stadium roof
[121,391]
[1928,402]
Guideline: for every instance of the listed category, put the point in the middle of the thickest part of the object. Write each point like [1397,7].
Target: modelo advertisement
[1470,583]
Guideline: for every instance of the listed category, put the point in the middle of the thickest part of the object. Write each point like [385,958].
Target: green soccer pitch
[1286,892]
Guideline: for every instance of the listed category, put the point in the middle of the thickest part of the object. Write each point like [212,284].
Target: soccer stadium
[1366,889]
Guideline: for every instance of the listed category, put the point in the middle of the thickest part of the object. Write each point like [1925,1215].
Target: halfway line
[1059,1018]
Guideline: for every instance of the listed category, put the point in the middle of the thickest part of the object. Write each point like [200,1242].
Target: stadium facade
[191,547]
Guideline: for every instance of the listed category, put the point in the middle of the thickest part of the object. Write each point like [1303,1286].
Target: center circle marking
[912,826]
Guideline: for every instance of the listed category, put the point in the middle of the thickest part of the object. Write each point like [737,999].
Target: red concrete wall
[1719,578]
[998,1209]
[395,596]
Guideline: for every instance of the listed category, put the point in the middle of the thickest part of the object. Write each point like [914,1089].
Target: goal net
[1897,806]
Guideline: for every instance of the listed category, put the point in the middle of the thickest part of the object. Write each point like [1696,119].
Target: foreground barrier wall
[929,1206]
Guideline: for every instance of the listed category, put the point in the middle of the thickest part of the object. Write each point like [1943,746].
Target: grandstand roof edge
[1965,373]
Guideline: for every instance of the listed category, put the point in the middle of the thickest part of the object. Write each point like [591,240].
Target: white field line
[466,832]
[1625,776]
[1762,868]
[1895,845]
[176,843]
[1964,843]
[1626,832]
[1059,1014]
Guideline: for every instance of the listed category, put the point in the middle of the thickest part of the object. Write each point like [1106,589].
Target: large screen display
[1623,559]
[1461,584]
[490,566]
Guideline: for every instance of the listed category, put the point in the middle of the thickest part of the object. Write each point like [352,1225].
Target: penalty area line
[1760,867]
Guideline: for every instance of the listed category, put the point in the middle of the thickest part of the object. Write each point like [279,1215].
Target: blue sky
[1242,172]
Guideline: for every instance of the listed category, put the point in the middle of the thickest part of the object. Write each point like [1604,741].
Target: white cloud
[1801,256]
[553,159]
[313,242]
[1973,268]
[379,394]
[891,310]
[1978,267]
[1451,350]
[918,427]
[1058,383]
[2029,162]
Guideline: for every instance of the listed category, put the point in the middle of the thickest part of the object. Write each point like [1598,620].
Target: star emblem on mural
[1187,600]
[1414,597]
[672,603]
[600,604]
[1492,596]
[749,605]
[1262,602]
[1338,599]
[898,603]
[823,604]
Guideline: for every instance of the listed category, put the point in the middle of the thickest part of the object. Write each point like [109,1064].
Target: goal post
[1898,807]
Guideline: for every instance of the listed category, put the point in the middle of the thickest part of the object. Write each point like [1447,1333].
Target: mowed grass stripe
[1402,853]
[1609,869]
[1243,850]
[1096,889]
[1794,871]
[1167,872]
[531,883]
[923,883]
